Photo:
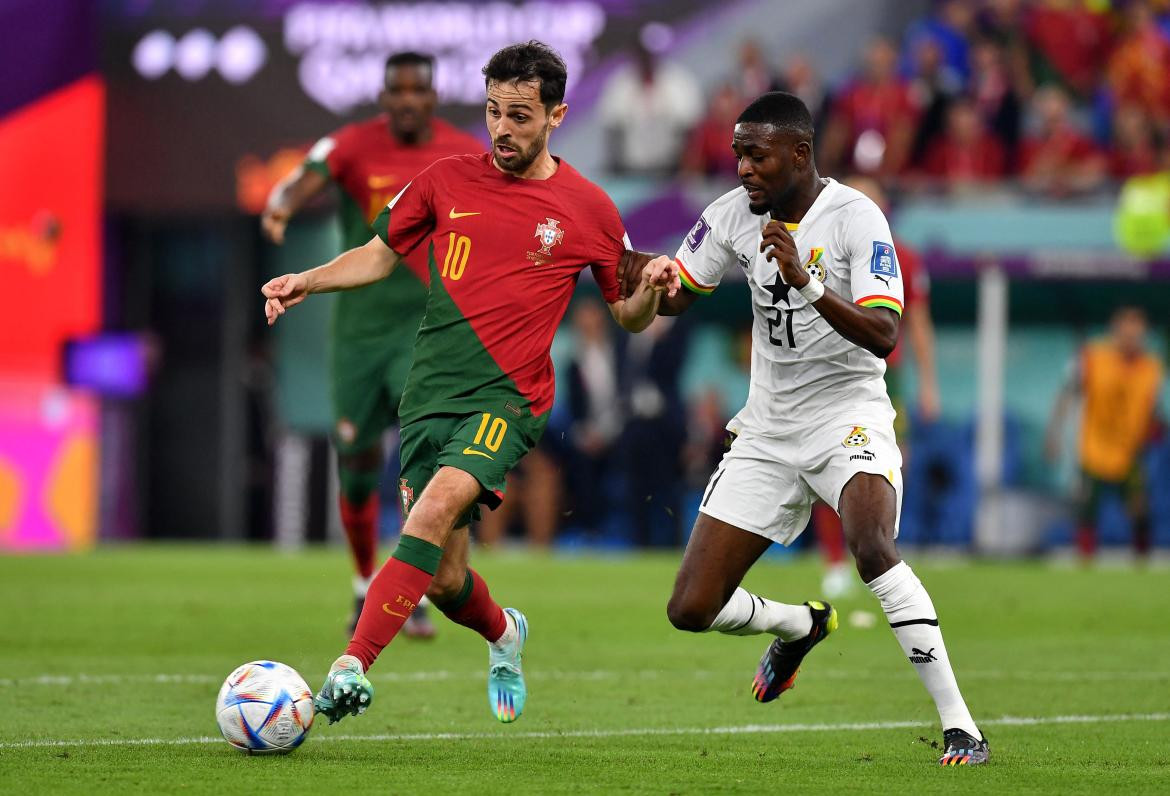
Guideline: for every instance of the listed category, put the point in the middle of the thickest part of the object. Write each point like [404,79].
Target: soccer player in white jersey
[827,299]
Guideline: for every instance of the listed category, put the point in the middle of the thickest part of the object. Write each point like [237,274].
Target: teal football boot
[506,689]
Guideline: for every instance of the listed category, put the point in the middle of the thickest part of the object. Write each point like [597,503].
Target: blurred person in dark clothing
[655,430]
[997,95]
[596,416]
[934,85]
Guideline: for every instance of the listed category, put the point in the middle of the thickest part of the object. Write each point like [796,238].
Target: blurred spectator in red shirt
[1134,149]
[996,94]
[1058,159]
[966,152]
[1139,69]
[708,150]
[872,122]
[1069,42]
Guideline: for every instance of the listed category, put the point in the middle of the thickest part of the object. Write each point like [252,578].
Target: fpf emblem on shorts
[549,233]
[406,493]
[857,438]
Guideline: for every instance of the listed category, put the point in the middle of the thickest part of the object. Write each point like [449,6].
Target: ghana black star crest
[779,291]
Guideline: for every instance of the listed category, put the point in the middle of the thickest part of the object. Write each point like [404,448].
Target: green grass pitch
[110,662]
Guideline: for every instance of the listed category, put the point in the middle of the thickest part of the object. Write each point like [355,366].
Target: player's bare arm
[287,198]
[629,274]
[659,280]
[873,328]
[355,268]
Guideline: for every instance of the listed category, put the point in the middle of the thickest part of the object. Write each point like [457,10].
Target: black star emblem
[779,291]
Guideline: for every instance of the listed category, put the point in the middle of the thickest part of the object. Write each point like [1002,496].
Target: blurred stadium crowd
[1059,97]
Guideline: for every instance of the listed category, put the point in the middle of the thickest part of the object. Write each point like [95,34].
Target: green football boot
[346,691]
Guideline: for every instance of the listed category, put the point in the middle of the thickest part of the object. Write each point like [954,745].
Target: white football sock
[424,601]
[915,624]
[361,586]
[511,633]
[747,614]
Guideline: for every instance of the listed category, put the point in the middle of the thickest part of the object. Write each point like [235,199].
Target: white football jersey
[802,369]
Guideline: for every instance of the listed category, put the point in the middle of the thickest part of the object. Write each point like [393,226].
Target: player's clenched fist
[779,246]
[283,292]
[661,274]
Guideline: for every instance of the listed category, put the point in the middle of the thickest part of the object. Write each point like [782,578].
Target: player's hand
[273,223]
[283,292]
[629,271]
[779,246]
[661,275]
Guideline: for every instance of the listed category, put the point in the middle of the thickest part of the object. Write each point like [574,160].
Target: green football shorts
[367,377]
[485,445]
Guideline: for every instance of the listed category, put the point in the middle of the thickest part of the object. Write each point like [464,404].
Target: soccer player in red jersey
[507,235]
[372,332]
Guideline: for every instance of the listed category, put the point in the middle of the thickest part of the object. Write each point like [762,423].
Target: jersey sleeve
[705,254]
[409,218]
[327,156]
[875,277]
[612,241]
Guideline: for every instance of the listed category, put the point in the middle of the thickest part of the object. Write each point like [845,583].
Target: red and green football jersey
[370,166]
[504,255]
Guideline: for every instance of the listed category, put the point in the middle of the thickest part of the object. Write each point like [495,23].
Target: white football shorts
[767,485]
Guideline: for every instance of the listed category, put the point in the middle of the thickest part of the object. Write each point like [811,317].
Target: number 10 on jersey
[458,250]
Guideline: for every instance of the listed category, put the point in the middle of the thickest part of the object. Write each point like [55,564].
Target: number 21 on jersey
[458,250]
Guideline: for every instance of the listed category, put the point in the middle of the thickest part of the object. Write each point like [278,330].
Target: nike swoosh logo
[453,215]
[381,182]
[386,608]
[470,452]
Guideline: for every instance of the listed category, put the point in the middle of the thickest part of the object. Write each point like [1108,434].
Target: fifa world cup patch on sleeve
[697,233]
[883,262]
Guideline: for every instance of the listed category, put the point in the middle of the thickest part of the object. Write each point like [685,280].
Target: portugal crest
[406,493]
[549,234]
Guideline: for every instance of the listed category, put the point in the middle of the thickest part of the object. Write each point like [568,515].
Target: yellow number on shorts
[495,434]
[458,250]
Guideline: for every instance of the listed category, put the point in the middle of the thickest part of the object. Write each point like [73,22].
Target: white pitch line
[590,675]
[746,729]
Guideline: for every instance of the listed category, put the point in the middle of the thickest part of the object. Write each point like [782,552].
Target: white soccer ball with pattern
[264,707]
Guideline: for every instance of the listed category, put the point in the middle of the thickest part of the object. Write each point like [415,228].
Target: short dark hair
[782,110]
[532,60]
[411,58]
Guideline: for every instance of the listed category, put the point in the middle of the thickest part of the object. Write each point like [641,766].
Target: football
[264,707]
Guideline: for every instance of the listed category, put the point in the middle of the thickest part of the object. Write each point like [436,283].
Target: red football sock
[393,595]
[829,533]
[475,608]
[360,521]
[1087,540]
